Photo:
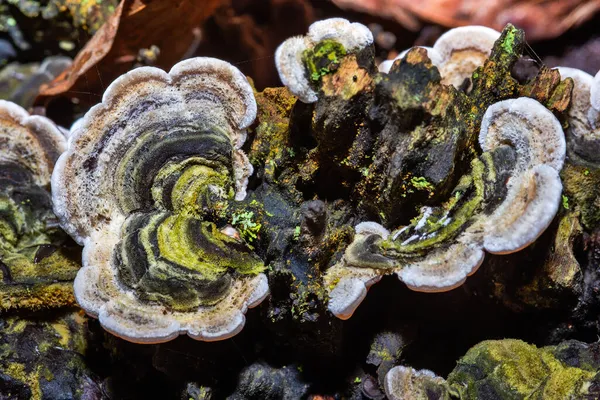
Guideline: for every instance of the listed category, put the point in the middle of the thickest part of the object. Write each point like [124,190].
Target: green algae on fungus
[36,267]
[323,59]
[511,368]
[339,124]
[510,197]
[507,200]
[144,186]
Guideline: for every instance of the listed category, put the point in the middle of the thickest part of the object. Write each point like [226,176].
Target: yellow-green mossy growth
[36,267]
[145,187]
[271,146]
[582,189]
[512,369]
[323,59]
[43,358]
[503,205]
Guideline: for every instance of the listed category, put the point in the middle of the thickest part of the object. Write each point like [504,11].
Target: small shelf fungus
[143,186]
[583,132]
[36,273]
[457,53]
[303,61]
[507,200]
[406,383]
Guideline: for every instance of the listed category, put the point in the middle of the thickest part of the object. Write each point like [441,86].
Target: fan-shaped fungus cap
[461,50]
[457,53]
[583,133]
[534,189]
[508,200]
[349,292]
[332,37]
[31,142]
[144,173]
[406,383]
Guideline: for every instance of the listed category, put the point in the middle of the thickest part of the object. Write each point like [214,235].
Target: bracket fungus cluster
[187,197]
[146,176]
[507,201]
[36,271]
[514,147]
[430,167]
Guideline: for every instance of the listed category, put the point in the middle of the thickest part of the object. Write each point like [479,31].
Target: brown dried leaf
[541,19]
[136,24]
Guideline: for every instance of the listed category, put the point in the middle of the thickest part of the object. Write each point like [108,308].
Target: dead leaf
[136,24]
[541,19]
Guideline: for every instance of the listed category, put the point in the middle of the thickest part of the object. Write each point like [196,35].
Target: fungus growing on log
[419,147]
[143,182]
[507,200]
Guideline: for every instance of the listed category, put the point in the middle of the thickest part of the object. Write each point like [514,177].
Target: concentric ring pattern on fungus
[144,174]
